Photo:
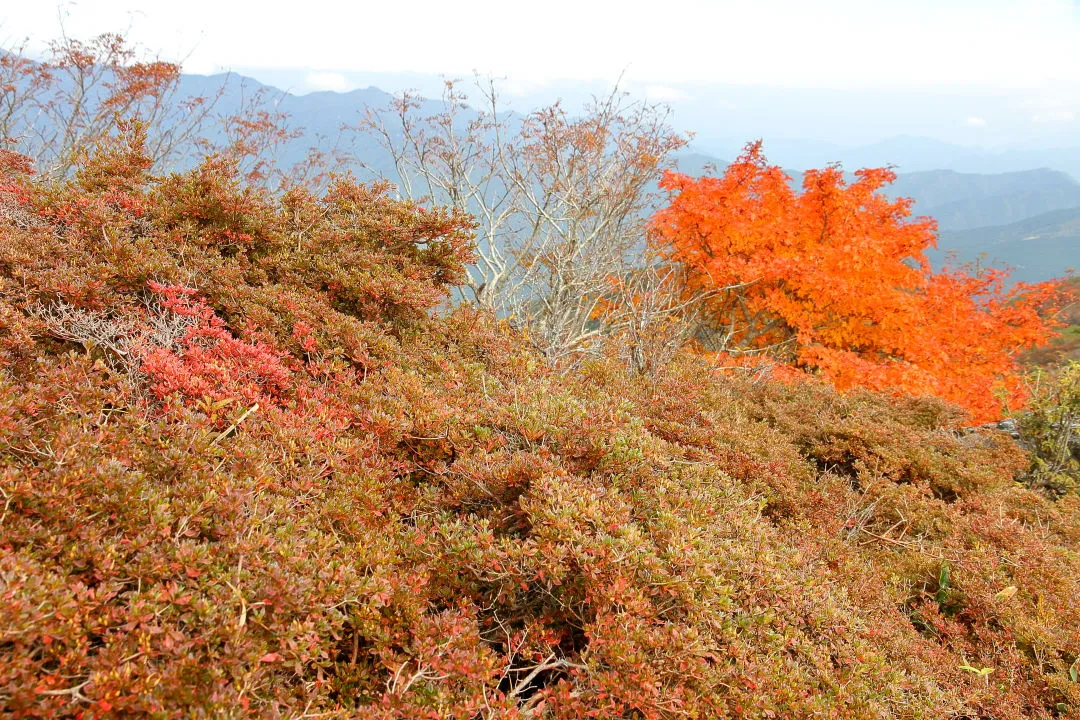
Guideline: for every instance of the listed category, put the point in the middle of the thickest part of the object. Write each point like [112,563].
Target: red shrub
[210,362]
[424,521]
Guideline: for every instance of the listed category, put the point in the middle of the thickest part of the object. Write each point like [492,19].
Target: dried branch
[560,201]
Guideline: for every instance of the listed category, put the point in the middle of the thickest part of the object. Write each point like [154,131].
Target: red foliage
[834,280]
[426,521]
[13,163]
[210,362]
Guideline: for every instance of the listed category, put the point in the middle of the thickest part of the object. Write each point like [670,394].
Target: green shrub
[1050,426]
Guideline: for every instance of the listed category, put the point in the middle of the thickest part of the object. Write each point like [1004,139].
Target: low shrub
[421,519]
[1049,427]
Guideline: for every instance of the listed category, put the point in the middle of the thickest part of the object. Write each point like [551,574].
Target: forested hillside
[960,201]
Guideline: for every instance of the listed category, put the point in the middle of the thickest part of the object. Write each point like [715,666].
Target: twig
[74,692]
[7,504]
[232,428]
[548,664]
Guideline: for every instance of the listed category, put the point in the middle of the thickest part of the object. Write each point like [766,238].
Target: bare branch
[560,201]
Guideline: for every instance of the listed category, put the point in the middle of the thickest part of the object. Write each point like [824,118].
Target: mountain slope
[909,154]
[958,201]
[1038,248]
[961,201]
[303,490]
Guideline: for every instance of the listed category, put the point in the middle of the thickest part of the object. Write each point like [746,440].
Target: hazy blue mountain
[802,127]
[1018,206]
[960,201]
[907,154]
[808,127]
[319,115]
[1037,248]
[913,154]
[967,130]
[697,164]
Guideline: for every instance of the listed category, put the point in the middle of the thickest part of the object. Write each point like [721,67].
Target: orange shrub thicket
[834,280]
[248,470]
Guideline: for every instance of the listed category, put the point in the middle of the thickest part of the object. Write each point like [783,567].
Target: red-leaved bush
[834,279]
[210,362]
[422,520]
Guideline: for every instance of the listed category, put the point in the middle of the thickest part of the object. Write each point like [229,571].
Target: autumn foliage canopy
[834,279]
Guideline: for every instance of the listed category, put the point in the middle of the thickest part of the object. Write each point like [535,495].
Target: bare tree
[561,201]
[62,106]
[652,314]
[56,110]
[457,155]
[586,186]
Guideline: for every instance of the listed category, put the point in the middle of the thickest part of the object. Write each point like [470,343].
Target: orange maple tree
[834,280]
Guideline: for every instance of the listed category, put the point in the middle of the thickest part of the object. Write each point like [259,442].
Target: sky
[1017,60]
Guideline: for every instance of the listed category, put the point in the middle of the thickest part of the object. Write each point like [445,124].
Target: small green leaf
[981,672]
[944,581]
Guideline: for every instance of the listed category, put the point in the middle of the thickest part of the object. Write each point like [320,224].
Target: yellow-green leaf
[1006,593]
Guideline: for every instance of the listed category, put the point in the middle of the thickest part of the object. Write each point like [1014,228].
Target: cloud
[663,93]
[976,122]
[200,66]
[1053,117]
[521,85]
[326,81]
[961,40]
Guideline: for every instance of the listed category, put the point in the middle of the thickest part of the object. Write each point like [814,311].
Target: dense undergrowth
[249,471]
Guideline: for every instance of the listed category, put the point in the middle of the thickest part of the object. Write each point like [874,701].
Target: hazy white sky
[1031,45]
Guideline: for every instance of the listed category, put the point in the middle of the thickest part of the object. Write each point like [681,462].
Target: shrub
[1049,428]
[834,280]
[423,520]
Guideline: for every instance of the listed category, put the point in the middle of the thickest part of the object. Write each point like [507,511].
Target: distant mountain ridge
[958,201]
[961,201]
[1036,248]
[973,132]
[908,154]
[976,212]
